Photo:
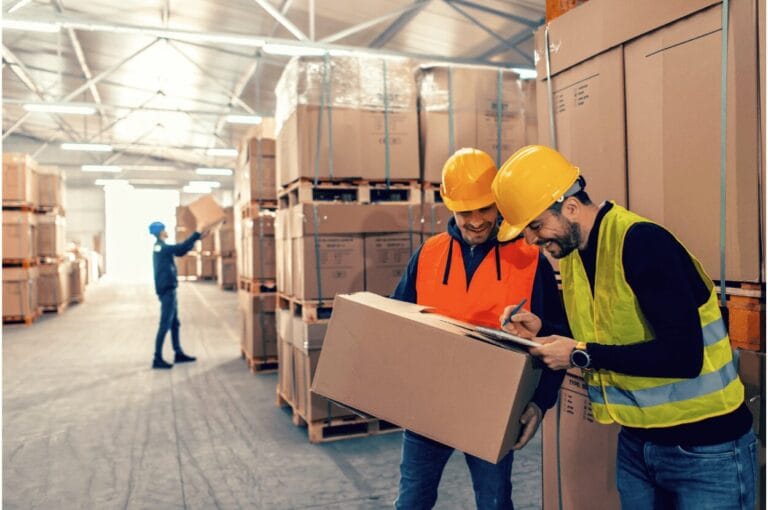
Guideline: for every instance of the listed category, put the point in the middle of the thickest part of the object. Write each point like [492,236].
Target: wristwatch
[580,357]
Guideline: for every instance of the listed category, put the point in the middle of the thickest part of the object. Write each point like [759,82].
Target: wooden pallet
[261,286]
[309,310]
[253,208]
[350,427]
[351,190]
[746,316]
[51,260]
[49,210]
[431,193]
[25,263]
[16,205]
[55,309]
[228,286]
[77,300]
[27,320]
[259,365]
[206,278]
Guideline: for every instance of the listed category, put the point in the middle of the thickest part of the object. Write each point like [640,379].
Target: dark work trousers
[169,319]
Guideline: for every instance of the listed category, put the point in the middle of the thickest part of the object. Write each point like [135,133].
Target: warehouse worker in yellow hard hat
[465,273]
[647,333]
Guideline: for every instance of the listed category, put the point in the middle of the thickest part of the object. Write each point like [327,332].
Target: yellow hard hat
[467,178]
[529,182]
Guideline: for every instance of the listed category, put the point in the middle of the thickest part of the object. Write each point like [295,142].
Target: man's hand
[556,351]
[523,324]
[530,420]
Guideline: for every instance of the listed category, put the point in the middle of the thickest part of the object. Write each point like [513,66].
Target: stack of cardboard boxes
[636,101]
[224,248]
[185,226]
[54,284]
[254,237]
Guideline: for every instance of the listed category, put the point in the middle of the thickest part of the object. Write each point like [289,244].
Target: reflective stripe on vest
[504,277]
[612,316]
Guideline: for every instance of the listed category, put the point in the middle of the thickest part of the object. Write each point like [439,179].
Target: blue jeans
[169,320]
[718,477]
[421,467]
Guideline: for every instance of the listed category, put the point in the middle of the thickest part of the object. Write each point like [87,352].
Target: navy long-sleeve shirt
[164,265]
[669,292]
[545,303]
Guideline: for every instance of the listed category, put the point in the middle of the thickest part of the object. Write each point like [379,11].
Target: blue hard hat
[156,227]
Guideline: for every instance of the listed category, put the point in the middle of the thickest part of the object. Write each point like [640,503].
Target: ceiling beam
[515,40]
[293,29]
[506,15]
[312,19]
[368,24]
[393,29]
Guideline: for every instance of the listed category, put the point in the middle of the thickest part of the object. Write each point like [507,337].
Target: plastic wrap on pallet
[357,82]
[438,87]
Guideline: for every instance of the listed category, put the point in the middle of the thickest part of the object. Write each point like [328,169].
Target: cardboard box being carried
[51,235]
[422,372]
[207,213]
[258,331]
[19,180]
[20,292]
[570,428]
[19,235]
[53,285]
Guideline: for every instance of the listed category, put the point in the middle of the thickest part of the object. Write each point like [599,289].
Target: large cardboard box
[420,371]
[53,284]
[358,147]
[186,266]
[51,235]
[226,271]
[286,379]
[20,292]
[308,335]
[206,266]
[435,217]
[326,265]
[353,218]
[470,106]
[78,273]
[570,430]
[386,258]
[224,241]
[19,179]
[49,189]
[589,120]
[19,235]
[208,214]
[256,177]
[258,331]
[310,405]
[259,250]
[673,93]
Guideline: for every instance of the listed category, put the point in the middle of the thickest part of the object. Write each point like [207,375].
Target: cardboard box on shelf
[327,264]
[311,406]
[19,235]
[19,179]
[258,247]
[386,258]
[77,281]
[673,80]
[49,188]
[589,120]
[258,331]
[353,218]
[226,271]
[51,235]
[53,284]
[224,241]
[186,266]
[256,177]
[570,428]
[20,292]
[435,219]
[422,372]
[308,335]
[206,266]
[286,379]
[207,213]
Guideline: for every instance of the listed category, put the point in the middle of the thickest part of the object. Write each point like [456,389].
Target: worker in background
[647,333]
[165,287]
[465,273]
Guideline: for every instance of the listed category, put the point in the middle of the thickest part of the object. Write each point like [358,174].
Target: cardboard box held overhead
[208,214]
[420,371]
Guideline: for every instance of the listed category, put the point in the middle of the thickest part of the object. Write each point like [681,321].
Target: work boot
[160,363]
[183,358]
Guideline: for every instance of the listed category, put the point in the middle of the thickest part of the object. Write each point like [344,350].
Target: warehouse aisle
[87,424]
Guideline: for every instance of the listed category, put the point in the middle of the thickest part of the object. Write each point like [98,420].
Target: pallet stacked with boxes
[254,236]
[187,266]
[226,254]
[54,289]
[634,91]
[492,110]
[20,271]
[349,211]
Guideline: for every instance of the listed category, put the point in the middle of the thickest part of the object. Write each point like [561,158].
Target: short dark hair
[580,195]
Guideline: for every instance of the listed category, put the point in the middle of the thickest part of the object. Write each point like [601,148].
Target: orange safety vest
[504,277]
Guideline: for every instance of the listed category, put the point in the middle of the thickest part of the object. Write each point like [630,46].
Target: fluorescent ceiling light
[154,182]
[150,168]
[101,168]
[200,190]
[243,119]
[112,182]
[214,151]
[60,108]
[30,26]
[206,184]
[89,147]
[19,5]
[293,50]
[214,171]
[525,74]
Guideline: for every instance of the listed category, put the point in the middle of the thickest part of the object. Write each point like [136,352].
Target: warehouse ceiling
[160,77]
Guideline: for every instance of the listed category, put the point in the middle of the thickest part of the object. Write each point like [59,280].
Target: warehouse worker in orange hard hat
[465,273]
[647,334]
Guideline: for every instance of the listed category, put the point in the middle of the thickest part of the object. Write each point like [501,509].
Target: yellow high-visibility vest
[613,317]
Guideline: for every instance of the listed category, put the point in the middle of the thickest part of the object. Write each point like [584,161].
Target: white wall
[86,217]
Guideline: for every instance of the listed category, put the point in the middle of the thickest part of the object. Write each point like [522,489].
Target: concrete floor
[87,423]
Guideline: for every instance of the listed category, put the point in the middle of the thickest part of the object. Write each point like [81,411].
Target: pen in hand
[513,312]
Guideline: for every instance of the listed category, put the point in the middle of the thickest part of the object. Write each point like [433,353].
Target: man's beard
[566,242]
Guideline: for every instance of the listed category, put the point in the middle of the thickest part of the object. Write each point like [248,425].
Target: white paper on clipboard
[503,336]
